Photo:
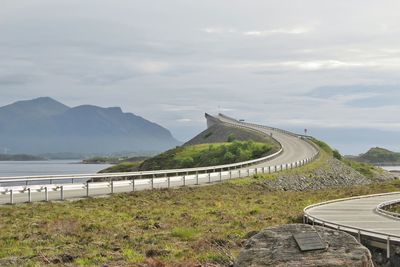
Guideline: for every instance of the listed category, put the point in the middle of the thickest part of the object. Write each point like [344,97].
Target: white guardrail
[359,232]
[382,209]
[129,181]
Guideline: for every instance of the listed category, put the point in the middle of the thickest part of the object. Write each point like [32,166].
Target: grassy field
[178,227]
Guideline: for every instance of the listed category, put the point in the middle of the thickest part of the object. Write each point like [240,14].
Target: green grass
[208,155]
[394,208]
[202,225]
[122,167]
[184,227]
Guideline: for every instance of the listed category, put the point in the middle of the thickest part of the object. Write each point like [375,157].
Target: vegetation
[221,133]
[207,155]
[186,227]
[202,225]
[113,160]
[379,155]
[122,167]
[364,168]
[394,208]
[19,157]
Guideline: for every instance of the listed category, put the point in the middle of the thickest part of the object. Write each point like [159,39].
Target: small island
[379,157]
[20,157]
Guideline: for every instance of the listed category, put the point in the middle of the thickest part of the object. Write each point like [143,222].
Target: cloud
[257,60]
[289,31]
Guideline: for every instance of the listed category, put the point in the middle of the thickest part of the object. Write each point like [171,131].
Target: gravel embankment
[333,174]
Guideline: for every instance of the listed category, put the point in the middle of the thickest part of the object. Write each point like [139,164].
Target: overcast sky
[331,64]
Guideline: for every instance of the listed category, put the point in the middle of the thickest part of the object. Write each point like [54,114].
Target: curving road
[360,217]
[296,151]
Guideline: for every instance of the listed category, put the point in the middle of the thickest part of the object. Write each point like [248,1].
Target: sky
[326,65]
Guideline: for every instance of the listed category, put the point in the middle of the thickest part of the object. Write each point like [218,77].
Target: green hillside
[379,155]
[207,155]
[219,144]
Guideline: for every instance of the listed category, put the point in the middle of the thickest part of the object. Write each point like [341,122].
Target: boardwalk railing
[358,232]
[382,209]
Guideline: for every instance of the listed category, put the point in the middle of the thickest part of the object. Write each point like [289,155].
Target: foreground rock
[277,247]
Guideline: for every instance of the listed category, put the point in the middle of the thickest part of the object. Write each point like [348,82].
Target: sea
[50,167]
[391,168]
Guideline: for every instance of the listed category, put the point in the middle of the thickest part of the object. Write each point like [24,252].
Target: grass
[208,155]
[202,225]
[394,208]
[176,227]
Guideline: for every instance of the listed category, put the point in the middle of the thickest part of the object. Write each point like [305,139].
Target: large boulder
[277,247]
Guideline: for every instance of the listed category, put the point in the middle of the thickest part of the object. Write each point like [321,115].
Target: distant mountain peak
[44,125]
[34,108]
[45,100]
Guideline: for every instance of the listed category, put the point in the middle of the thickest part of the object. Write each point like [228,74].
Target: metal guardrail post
[359,236]
[46,194]
[62,192]
[72,180]
[230,174]
[209,177]
[184,180]
[220,176]
[29,195]
[112,186]
[388,247]
[169,181]
[197,178]
[11,197]
[152,182]
[133,184]
[88,191]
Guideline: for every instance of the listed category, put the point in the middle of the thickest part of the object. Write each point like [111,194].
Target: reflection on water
[30,168]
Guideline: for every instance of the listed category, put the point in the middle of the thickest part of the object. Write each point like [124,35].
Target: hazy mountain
[44,125]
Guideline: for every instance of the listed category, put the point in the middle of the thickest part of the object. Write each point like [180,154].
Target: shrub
[231,138]
[336,154]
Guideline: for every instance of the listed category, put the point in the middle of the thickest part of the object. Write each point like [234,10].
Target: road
[356,215]
[295,150]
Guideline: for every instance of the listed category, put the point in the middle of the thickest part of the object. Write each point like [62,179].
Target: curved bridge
[295,151]
[362,217]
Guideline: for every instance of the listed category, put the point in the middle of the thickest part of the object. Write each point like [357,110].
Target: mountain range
[44,125]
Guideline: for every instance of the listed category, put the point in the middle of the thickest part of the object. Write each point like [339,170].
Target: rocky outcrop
[333,173]
[277,247]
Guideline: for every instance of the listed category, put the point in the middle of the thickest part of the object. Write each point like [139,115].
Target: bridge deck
[358,214]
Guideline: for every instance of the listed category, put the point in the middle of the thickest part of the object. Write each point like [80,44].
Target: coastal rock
[333,173]
[276,247]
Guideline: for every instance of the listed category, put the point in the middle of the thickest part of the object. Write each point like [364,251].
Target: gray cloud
[288,63]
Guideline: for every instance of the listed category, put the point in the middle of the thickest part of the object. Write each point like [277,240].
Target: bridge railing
[382,209]
[388,239]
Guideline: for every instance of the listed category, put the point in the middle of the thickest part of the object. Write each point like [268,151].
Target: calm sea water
[391,168]
[29,168]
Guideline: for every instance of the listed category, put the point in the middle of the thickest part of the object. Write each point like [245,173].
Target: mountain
[379,156]
[44,125]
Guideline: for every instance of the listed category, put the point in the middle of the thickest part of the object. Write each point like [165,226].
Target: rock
[276,247]
[333,173]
